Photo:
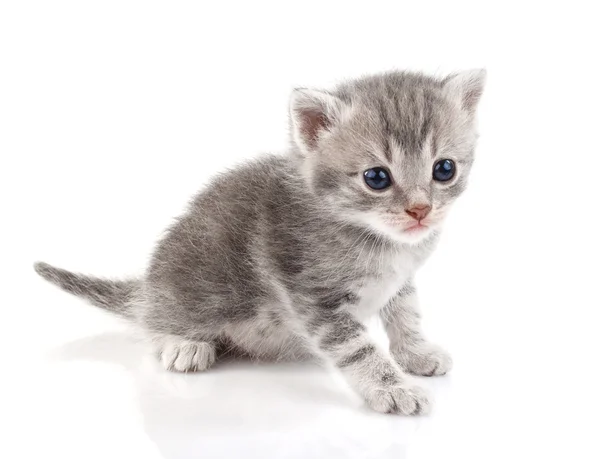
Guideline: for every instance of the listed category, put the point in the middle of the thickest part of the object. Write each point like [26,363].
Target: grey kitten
[286,256]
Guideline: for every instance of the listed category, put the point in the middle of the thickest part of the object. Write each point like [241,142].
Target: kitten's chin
[411,235]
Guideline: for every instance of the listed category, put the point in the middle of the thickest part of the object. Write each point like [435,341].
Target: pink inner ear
[312,123]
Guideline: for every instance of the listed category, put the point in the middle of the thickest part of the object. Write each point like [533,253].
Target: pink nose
[419,211]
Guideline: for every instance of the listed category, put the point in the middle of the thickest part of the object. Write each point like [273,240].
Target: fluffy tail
[114,296]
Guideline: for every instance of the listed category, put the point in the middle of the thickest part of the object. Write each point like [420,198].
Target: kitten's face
[390,152]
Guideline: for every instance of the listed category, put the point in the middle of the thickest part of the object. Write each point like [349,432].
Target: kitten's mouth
[416,228]
[410,231]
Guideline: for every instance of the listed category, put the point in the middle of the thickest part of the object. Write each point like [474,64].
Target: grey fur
[358,356]
[112,295]
[287,255]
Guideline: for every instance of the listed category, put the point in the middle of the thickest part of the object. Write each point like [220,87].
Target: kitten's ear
[466,87]
[312,114]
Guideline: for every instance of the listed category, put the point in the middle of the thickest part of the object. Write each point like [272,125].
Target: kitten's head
[391,152]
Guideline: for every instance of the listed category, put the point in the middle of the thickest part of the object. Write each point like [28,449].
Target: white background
[113,113]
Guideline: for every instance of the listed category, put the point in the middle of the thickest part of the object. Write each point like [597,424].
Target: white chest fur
[377,290]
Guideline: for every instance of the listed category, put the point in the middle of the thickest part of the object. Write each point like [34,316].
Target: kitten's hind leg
[179,354]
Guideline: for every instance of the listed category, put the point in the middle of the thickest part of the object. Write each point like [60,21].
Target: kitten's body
[275,260]
[246,263]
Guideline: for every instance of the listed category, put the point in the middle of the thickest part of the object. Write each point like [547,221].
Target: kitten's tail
[114,296]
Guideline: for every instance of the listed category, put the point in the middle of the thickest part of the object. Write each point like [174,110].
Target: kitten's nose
[419,211]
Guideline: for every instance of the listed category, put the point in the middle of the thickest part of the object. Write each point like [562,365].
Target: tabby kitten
[287,256]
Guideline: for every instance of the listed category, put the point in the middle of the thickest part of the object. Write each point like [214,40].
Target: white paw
[183,355]
[407,399]
[425,360]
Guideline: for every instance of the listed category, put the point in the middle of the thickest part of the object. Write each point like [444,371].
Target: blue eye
[378,178]
[444,170]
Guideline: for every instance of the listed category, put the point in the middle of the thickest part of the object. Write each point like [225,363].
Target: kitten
[287,256]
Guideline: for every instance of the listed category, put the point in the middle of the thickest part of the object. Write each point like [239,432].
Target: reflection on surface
[246,409]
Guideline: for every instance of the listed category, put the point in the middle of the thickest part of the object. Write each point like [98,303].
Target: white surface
[113,113]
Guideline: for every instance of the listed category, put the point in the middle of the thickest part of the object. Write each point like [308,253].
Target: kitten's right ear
[312,114]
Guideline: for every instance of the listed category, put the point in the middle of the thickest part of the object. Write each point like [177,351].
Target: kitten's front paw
[426,360]
[409,400]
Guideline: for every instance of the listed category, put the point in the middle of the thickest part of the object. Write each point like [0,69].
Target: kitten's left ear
[312,114]
[466,87]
